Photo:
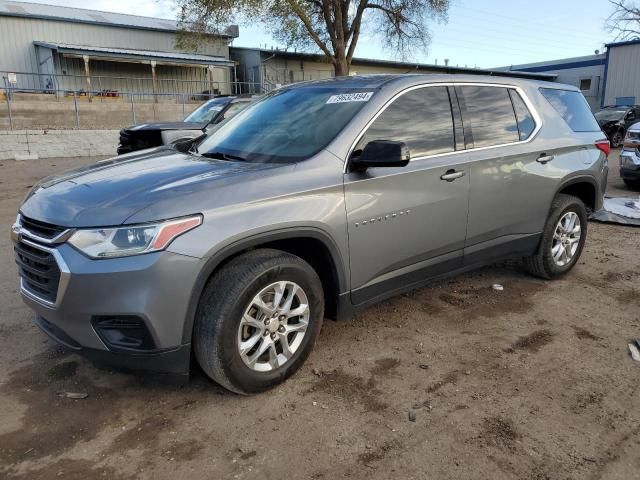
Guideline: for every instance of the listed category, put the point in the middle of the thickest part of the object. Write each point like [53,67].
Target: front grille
[133,140]
[41,229]
[39,271]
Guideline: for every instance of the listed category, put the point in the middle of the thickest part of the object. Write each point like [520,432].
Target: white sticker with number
[350,97]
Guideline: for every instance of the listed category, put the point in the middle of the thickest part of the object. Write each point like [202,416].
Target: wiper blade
[223,156]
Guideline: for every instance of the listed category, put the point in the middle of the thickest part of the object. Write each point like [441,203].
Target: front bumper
[154,289]
[630,165]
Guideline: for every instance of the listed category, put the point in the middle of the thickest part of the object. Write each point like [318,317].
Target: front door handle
[451,175]
[544,158]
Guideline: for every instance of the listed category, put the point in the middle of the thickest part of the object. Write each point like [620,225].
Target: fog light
[124,333]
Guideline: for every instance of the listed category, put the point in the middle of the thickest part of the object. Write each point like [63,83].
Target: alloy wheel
[566,238]
[273,326]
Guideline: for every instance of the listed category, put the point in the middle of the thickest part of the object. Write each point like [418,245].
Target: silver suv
[318,200]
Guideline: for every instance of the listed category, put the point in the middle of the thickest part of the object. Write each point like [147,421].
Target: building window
[585,84]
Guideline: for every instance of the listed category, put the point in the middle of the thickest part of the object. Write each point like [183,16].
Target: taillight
[604,147]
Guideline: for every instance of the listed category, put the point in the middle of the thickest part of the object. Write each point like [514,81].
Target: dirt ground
[534,382]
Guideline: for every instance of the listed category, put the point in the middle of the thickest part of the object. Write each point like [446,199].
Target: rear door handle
[544,158]
[451,175]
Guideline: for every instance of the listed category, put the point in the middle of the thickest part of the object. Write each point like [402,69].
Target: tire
[229,300]
[616,139]
[634,184]
[542,264]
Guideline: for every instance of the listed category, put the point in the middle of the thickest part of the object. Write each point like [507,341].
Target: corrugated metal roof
[81,15]
[143,55]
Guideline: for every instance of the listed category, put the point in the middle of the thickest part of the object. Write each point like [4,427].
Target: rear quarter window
[573,108]
[526,123]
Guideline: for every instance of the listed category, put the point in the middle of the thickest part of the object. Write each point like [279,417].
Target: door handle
[451,175]
[544,158]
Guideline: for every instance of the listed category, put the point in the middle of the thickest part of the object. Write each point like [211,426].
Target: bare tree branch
[624,21]
[332,26]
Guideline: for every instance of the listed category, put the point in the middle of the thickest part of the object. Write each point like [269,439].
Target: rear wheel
[258,319]
[562,240]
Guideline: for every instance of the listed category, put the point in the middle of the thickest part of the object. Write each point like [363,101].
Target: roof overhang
[136,56]
[410,67]
[635,41]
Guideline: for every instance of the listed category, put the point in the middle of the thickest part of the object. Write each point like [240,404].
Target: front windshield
[610,114]
[205,112]
[286,126]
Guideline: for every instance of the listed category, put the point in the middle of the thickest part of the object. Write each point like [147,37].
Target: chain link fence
[39,101]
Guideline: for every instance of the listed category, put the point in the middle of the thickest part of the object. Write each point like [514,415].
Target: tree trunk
[341,64]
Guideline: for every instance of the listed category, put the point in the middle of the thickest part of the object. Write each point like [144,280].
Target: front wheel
[562,240]
[616,139]
[257,320]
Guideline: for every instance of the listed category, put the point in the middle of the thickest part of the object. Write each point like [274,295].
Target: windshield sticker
[350,97]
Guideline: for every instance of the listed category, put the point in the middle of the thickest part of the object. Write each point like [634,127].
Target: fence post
[8,97]
[183,105]
[75,107]
[7,94]
[133,108]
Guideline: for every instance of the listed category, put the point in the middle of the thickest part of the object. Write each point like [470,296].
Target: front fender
[255,241]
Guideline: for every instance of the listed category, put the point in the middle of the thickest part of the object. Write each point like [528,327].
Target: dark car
[614,121]
[149,135]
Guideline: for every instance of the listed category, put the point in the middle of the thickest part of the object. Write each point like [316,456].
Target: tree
[624,22]
[333,26]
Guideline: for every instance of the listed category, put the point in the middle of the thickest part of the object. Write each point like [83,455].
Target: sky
[477,34]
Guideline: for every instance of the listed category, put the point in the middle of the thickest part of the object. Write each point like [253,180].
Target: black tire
[222,305]
[634,184]
[616,139]
[541,264]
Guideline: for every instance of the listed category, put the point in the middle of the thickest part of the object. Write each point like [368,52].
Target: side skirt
[476,256]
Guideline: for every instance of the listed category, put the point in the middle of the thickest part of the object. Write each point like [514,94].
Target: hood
[109,192]
[609,123]
[167,126]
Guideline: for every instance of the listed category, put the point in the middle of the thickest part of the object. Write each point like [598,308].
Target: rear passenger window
[573,108]
[489,115]
[420,118]
[526,124]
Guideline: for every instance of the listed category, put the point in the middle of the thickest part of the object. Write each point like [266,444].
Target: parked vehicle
[210,113]
[630,157]
[320,199]
[615,120]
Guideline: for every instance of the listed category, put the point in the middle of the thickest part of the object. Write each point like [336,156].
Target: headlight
[131,239]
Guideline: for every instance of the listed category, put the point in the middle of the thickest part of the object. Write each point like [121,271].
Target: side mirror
[382,153]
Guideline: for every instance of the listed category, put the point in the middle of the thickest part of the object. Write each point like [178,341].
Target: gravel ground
[531,382]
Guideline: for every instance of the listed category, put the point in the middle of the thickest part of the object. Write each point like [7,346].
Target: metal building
[52,48]
[586,73]
[622,74]
[271,67]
